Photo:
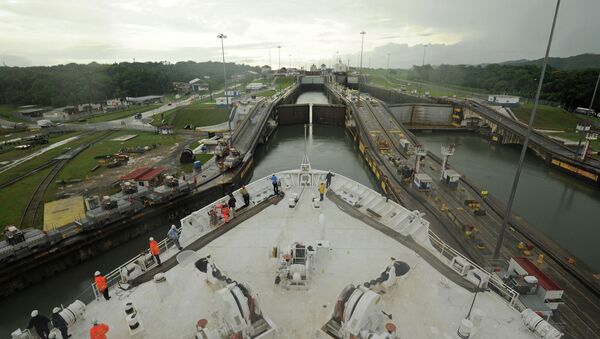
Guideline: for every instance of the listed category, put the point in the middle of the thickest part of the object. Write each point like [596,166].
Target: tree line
[571,88]
[74,84]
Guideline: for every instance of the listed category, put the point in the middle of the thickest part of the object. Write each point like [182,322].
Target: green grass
[548,117]
[266,93]
[6,113]
[126,113]
[14,198]
[203,158]
[281,83]
[197,114]
[10,153]
[42,158]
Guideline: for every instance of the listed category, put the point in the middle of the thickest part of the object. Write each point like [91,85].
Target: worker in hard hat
[40,323]
[59,322]
[101,285]
[155,250]
[98,330]
[173,234]
[322,190]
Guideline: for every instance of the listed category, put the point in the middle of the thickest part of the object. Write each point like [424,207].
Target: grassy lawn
[10,153]
[284,82]
[126,113]
[42,158]
[203,158]
[197,114]
[6,113]
[548,117]
[266,93]
[14,198]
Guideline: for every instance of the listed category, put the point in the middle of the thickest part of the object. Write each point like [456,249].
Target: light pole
[422,66]
[279,53]
[362,42]
[525,142]
[290,56]
[594,94]
[388,63]
[270,64]
[223,37]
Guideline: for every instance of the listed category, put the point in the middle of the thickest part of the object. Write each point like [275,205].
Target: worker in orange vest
[225,213]
[155,250]
[98,330]
[101,285]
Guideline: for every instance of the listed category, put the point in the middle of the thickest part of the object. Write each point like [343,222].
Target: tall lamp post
[362,42]
[422,66]
[388,62]
[223,37]
[526,141]
[290,56]
[279,54]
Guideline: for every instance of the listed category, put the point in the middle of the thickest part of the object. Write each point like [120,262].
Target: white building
[255,86]
[223,102]
[503,100]
[198,85]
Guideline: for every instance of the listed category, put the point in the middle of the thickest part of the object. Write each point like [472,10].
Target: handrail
[501,288]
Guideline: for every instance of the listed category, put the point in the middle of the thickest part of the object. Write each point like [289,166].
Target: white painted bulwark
[422,303]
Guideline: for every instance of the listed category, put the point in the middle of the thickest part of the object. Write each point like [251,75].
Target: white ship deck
[423,304]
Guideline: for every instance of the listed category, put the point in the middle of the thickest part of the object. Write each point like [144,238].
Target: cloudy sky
[47,32]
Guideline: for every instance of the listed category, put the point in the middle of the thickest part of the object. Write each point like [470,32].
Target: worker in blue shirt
[173,234]
[275,182]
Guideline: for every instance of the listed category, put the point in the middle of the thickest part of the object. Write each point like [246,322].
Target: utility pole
[222,37]
[270,64]
[515,184]
[362,42]
[290,56]
[594,94]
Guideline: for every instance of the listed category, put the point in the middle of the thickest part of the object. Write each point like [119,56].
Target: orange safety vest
[100,283]
[99,331]
[154,248]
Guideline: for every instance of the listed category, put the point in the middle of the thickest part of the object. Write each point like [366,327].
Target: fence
[497,285]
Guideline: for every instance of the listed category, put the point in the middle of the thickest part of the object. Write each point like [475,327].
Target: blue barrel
[197,165]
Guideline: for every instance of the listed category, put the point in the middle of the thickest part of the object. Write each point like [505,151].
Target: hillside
[576,62]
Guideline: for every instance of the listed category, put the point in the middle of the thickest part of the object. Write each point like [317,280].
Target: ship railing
[114,276]
[494,282]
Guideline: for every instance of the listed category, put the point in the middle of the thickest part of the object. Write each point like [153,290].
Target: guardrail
[114,276]
[498,286]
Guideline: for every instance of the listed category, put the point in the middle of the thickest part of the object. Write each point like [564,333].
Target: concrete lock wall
[328,114]
[392,96]
[423,114]
[293,114]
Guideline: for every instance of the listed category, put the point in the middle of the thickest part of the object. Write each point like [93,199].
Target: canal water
[553,201]
[561,206]
[328,148]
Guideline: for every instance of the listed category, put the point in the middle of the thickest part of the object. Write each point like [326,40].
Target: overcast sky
[47,32]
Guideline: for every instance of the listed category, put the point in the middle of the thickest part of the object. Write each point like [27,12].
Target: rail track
[31,212]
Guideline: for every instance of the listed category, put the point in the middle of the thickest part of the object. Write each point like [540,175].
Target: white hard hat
[97,273]
[173,226]
[34,313]
[151,238]
[56,310]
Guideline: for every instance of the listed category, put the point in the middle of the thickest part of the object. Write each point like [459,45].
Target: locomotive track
[31,213]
